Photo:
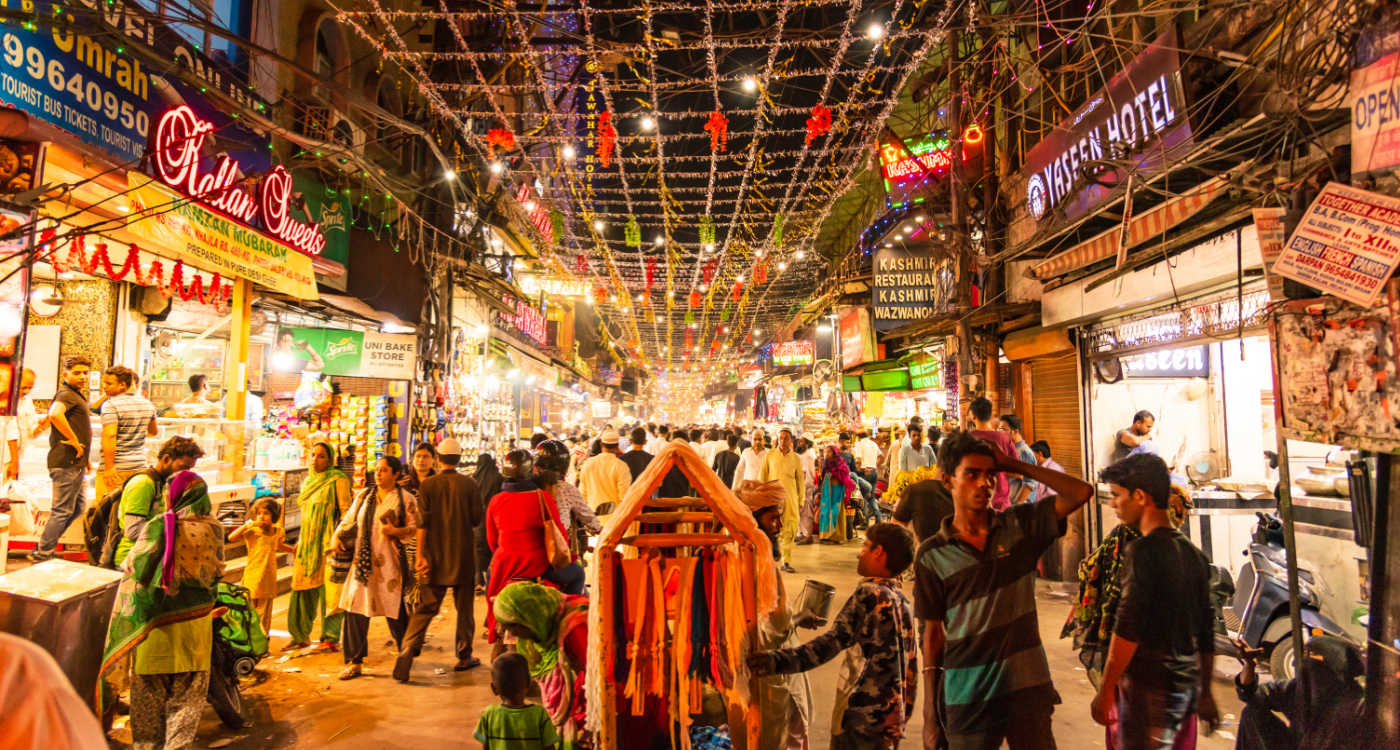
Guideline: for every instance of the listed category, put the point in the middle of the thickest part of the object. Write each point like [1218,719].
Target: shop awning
[1151,223]
[356,307]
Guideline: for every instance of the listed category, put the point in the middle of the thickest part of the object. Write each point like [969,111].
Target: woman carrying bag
[382,517]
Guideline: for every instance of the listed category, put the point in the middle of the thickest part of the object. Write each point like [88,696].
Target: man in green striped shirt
[975,593]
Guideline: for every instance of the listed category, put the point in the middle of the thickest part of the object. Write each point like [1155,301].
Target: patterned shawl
[320,511]
[1095,612]
[150,595]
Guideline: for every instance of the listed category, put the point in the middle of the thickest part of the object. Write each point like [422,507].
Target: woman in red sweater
[515,533]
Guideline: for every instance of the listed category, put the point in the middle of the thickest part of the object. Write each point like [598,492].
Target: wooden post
[236,365]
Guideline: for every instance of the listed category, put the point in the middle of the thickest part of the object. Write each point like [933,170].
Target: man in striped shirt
[127,418]
[975,593]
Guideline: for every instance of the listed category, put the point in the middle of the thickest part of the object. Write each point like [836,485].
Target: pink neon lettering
[276,194]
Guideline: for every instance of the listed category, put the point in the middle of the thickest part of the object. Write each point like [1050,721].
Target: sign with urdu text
[177,226]
[1347,244]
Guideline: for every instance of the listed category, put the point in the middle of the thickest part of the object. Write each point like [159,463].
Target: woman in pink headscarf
[836,488]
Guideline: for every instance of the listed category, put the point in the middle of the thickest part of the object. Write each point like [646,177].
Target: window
[197,22]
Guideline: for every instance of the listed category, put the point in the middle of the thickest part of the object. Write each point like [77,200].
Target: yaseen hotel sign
[1139,117]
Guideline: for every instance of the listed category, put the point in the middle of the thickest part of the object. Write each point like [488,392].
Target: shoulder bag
[556,547]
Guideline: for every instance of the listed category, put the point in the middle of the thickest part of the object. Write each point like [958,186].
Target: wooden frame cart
[668,540]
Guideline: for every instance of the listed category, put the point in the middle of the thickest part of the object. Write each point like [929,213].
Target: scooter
[1256,611]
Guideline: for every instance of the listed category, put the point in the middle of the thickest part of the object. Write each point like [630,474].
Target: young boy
[877,618]
[264,538]
[514,724]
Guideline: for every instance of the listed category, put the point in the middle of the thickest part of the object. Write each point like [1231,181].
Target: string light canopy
[722,129]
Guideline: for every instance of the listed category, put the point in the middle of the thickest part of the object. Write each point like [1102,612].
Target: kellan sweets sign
[175,148]
[1139,117]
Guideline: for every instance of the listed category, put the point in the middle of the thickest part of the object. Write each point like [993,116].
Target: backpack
[102,525]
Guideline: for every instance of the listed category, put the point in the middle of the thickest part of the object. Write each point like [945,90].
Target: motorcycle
[1255,608]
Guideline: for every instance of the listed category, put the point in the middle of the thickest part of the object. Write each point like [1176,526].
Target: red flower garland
[218,294]
[718,128]
[500,138]
[819,124]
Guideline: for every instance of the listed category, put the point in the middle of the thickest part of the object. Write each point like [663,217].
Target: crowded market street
[723,375]
[308,707]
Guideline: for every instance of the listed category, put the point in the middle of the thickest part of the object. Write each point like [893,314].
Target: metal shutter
[1055,409]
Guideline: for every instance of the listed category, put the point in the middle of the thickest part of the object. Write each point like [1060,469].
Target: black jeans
[354,636]
[429,603]
[570,578]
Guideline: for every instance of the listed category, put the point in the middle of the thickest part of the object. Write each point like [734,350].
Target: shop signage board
[1268,228]
[557,286]
[1347,244]
[77,80]
[329,209]
[534,208]
[794,353]
[1188,362]
[908,285]
[1140,116]
[1375,102]
[528,320]
[857,337]
[910,167]
[361,354]
[925,371]
[601,409]
[201,237]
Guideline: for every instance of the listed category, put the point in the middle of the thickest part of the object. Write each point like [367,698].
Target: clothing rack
[672,563]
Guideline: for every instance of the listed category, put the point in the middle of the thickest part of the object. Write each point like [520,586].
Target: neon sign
[931,155]
[175,153]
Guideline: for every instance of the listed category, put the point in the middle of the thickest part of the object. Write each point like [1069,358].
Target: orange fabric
[39,709]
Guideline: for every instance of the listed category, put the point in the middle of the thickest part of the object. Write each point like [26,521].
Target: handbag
[556,547]
[340,562]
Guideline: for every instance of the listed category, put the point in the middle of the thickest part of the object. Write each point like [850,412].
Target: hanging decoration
[217,294]
[707,231]
[633,233]
[556,222]
[738,289]
[724,315]
[694,299]
[650,273]
[581,263]
[760,272]
[500,138]
[718,128]
[819,124]
[707,271]
[607,139]
[689,342]
[778,230]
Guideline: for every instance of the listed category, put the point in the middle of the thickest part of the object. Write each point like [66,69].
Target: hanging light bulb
[750,84]
[782,265]
[568,152]
[659,240]
[647,123]
[449,175]
[598,225]
[875,30]
[497,167]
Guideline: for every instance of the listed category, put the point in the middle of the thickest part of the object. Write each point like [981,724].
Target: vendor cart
[63,606]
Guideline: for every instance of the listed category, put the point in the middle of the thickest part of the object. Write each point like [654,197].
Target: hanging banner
[187,231]
[1268,227]
[857,338]
[362,354]
[1347,244]
[799,353]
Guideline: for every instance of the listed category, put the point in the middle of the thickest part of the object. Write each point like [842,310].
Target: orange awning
[1141,228]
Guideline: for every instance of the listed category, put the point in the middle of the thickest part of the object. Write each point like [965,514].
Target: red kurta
[515,532]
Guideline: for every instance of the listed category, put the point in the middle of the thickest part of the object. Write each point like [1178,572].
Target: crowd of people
[966,514]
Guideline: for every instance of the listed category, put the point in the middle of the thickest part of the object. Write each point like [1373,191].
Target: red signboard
[538,215]
[528,321]
[857,338]
[176,144]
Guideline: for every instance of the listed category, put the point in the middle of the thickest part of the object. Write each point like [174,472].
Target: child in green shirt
[514,724]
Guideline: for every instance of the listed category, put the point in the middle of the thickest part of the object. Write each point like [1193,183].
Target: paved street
[300,703]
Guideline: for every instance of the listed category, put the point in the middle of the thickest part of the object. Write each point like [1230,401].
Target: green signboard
[925,371]
[331,210]
[885,380]
[323,350]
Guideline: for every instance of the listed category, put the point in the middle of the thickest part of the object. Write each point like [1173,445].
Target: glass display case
[176,356]
[217,437]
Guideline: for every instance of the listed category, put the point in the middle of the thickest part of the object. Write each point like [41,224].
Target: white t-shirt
[867,453]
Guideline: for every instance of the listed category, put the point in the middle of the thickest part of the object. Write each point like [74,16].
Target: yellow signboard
[179,227]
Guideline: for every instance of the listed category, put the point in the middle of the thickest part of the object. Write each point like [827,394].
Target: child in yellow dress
[265,539]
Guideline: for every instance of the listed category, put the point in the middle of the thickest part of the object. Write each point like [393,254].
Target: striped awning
[1141,228]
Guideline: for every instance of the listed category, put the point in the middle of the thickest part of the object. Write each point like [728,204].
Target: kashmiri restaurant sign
[186,230]
[175,153]
[1139,117]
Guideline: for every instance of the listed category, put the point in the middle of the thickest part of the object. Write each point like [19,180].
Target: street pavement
[297,701]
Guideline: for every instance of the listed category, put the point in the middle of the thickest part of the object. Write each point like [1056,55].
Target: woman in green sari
[161,617]
[325,497]
[551,632]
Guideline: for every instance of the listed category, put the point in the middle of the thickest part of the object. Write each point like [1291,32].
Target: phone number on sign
[89,91]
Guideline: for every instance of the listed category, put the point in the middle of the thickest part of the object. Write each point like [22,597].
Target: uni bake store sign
[174,151]
[1139,117]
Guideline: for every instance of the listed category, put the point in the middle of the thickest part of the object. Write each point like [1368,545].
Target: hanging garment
[760,403]
[700,619]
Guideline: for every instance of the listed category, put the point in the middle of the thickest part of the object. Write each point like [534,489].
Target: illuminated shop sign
[1140,116]
[1190,362]
[910,168]
[794,354]
[539,215]
[925,371]
[175,156]
[528,320]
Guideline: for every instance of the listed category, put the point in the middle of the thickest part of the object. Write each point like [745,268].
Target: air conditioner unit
[330,124]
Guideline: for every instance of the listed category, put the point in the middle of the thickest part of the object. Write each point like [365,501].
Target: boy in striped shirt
[127,418]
